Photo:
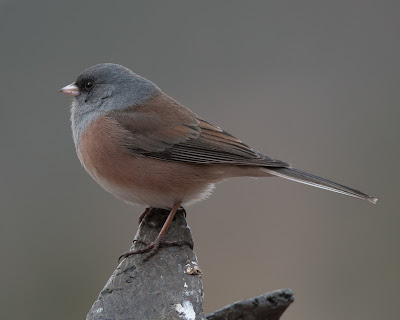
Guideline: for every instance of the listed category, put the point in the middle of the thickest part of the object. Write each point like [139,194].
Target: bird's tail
[315,181]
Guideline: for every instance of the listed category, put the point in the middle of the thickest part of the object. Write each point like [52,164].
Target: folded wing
[166,130]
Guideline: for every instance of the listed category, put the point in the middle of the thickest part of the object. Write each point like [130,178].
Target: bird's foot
[184,211]
[153,247]
[144,214]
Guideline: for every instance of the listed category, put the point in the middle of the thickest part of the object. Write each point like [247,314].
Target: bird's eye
[88,84]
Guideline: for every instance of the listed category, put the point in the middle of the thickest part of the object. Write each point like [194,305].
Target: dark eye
[88,84]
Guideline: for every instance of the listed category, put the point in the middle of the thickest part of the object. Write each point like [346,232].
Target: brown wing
[215,146]
[164,129]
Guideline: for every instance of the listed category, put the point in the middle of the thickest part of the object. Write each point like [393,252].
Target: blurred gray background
[315,83]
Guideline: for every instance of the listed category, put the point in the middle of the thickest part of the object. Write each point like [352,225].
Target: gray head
[103,88]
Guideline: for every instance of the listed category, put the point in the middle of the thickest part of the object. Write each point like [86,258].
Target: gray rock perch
[169,286]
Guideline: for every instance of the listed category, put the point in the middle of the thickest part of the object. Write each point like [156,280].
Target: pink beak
[70,89]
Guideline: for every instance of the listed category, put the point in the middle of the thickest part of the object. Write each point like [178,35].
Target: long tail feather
[312,180]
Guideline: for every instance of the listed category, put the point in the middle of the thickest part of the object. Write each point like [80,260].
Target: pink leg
[153,247]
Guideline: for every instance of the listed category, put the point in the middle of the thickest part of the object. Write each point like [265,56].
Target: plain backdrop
[314,83]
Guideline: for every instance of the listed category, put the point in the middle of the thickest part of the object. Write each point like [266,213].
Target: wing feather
[165,130]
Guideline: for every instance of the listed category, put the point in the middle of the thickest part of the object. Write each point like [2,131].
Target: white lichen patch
[185,310]
[99,310]
[193,270]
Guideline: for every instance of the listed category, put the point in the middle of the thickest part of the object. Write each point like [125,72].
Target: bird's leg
[145,213]
[184,211]
[153,247]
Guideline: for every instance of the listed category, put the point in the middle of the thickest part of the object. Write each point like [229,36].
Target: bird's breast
[135,178]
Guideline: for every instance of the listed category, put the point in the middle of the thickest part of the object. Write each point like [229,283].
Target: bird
[146,148]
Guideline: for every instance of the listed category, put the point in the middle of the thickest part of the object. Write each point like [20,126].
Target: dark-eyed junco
[146,148]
